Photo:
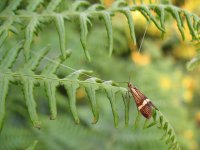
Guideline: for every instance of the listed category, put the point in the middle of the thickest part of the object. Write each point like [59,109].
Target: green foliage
[169,135]
[32,146]
[193,63]
[85,14]
[28,79]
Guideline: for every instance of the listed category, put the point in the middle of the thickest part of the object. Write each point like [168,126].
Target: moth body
[144,105]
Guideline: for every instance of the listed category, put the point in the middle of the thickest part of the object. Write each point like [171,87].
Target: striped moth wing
[144,105]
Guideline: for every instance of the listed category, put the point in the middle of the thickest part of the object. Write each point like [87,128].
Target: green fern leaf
[84,31]
[50,85]
[176,15]
[52,5]
[111,93]
[71,87]
[4,84]
[190,25]
[3,37]
[30,30]
[75,6]
[145,9]
[32,146]
[10,56]
[108,24]
[193,63]
[59,21]
[91,90]
[12,5]
[128,14]
[28,86]
[161,13]
[126,105]
[169,134]
[33,5]
[5,65]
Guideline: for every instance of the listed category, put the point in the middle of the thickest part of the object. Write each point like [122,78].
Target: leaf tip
[37,124]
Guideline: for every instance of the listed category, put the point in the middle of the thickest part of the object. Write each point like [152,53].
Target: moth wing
[140,94]
[146,111]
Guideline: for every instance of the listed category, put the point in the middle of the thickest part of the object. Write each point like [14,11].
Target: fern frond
[59,21]
[28,79]
[91,92]
[3,37]
[170,135]
[35,23]
[194,62]
[48,78]
[32,146]
[30,31]
[86,13]
[5,66]
[84,20]
[163,124]
[32,6]
[12,6]
[7,25]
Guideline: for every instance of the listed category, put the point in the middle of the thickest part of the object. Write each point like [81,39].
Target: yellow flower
[141,59]
[80,93]
[165,83]
[189,83]
[188,134]
[191,5]
[197,116]
[188,95]
[108,3]
[184,50]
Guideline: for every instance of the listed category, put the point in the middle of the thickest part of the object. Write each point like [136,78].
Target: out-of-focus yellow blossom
[188,82]
[108,3]
[189,85]
[197,116]
[80,93]
[153,30]
[141,59]
[139,19]
[188,134]
[187,96]
[191,5]
[165,82]
[194,145]
[185,51]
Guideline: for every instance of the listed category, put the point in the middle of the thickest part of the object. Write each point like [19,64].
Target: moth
[144,104]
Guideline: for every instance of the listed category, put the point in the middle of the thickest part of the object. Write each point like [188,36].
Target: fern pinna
[30,17]
[28,79]
[85,12]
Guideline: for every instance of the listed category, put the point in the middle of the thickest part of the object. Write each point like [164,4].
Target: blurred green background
[159,71]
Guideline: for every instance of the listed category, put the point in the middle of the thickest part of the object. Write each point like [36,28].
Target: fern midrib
[43,78]
[96,12]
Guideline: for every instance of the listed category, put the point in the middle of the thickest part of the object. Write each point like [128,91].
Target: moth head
[131,86]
